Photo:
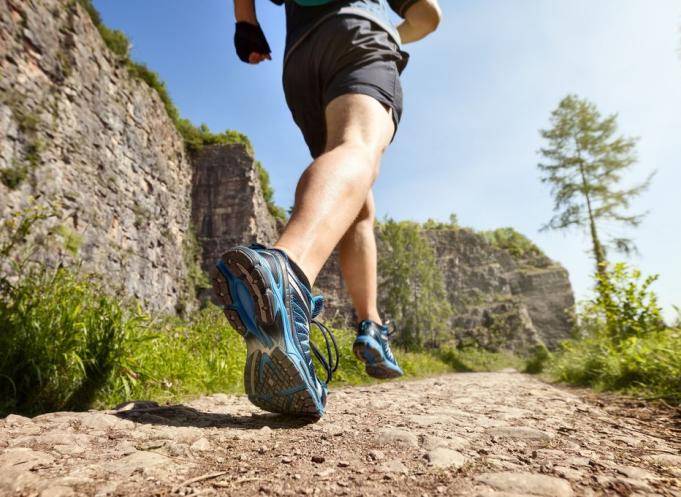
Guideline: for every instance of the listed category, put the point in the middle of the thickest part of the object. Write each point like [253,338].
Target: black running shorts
[344,54]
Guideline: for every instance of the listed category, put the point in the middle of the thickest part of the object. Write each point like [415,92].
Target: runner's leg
[357,250]
[334,187]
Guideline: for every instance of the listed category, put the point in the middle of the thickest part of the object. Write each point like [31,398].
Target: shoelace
[391,329]
[330,365]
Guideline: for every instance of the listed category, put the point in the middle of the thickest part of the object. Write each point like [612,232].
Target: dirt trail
[495,434]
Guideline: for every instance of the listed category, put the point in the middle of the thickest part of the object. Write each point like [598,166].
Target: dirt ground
[477,434]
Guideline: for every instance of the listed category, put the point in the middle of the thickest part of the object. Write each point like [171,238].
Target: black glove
[249,38]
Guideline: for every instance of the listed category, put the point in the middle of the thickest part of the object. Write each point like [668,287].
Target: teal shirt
[301,20]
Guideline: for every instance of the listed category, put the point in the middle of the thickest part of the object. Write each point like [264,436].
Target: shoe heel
[221,290]
[248,268]
[366,352]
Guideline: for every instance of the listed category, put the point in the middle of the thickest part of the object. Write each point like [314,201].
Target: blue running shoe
[268,304]
[371,347]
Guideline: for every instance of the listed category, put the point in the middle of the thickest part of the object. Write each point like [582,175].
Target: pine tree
[584,165]
[412,289]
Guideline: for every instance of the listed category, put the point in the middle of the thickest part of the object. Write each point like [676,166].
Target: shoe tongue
[366,324]
[317,305]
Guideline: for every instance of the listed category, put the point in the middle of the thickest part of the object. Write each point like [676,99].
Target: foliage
[625,308]
[584,166]
[66,344]
[510,240]
[472,358]
[191,252]
[59,341]
[14,233]
[432,224]
[537,359]
[622,342]
[268,193]
[412,288]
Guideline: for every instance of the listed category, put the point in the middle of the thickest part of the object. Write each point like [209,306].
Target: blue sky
[476,94]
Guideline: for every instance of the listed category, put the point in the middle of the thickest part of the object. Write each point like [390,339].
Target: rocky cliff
[228,206]
[501,300]
[76,128]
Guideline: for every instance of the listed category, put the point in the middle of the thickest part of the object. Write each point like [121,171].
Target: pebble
[147,463]
[318,459]
[392,466]
[518,433]
[376,455]
[667,460]
[22,458]
[526,484]
[202,444]
[402,438]
[442,457]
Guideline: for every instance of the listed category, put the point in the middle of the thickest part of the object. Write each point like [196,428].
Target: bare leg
[357,251]
[334,187]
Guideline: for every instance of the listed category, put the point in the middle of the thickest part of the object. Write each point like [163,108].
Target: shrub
[510,240]
[60,339]
[621,342]
[268,193]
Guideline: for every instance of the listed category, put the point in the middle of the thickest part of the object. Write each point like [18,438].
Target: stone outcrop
[500,301]
[77,129]
[228,206]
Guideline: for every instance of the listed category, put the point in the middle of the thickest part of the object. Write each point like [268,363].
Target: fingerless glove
[249,38]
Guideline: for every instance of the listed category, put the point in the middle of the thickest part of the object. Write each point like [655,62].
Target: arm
[420,19]
[250,42]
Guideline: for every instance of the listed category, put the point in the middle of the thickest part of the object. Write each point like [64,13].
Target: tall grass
[65,344]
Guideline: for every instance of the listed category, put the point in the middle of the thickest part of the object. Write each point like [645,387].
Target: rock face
[228,207]
[500,301]
[77,129]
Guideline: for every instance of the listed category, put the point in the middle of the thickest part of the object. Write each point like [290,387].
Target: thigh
[360,119]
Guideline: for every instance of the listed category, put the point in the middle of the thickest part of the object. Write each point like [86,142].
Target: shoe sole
[273,375]
[369,353]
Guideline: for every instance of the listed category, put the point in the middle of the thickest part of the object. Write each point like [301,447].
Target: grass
[65,344]
[622,343]
[648,367]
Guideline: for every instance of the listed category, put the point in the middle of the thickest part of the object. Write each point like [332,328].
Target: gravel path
[480,434]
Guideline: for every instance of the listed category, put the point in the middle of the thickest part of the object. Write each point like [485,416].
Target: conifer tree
[412,289]
[584,165]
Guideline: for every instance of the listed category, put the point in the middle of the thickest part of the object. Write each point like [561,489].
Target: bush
[621,341]
[60,340]
[510,240]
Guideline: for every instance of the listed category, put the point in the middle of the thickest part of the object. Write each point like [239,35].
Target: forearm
[420,20]
[244,11]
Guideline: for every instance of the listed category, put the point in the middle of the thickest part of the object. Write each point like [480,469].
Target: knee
[365,152]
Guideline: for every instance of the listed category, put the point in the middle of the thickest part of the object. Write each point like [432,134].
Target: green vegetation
[197,278]
[66,344]
[412,287]
[622,343]
[510,240]
[268,193]
[28,123]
